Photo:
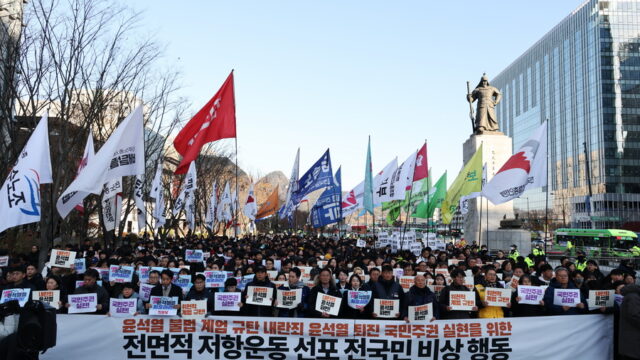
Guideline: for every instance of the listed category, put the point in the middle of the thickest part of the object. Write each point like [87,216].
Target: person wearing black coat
[420,294]
[326,285]
[521,310]
[346,311]
[200,292]
[166,288]
[388,289]
[457,285]
[259,280]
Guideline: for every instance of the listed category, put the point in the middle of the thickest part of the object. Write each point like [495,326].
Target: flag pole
[235,228]
[546,196]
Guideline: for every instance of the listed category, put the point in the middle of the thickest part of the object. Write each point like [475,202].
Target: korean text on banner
[462,300]
[531,295]
[215,279]
[182,339]
[601,298]
[358,299]
[21,295]
[196,309]
[122,307]
[497,296]
[120,274]
[50,297]
[566,297]
[163,305]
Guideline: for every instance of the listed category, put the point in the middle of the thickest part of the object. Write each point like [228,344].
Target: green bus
[595,242]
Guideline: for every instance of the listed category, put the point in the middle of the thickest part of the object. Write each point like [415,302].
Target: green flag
[368,182]
[468,180]
[432,201]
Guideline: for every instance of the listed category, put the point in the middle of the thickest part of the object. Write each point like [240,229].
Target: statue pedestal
[483,215]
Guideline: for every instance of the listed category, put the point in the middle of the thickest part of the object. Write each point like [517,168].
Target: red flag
[422,168]
[215,121]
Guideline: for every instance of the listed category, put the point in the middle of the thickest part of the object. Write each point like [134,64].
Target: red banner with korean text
[144,337]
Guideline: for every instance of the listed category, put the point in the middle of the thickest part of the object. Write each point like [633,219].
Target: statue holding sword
[488,97]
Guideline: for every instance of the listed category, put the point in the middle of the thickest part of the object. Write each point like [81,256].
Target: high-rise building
[584,77]
[10,30]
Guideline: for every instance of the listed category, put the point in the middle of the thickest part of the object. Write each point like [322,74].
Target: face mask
[349,266]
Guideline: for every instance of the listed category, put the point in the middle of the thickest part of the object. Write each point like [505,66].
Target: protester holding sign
[527,300]
[90,286]
[388,289]
[200,292]
[324,284]
[129,293]
[53,283]
[293,283]
[166,289]
[356,290]
[558,283]
[446,310]
[420,294]
[490,281]
[260,280]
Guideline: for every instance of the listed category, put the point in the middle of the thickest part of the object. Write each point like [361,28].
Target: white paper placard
[497,296]
[163,305]
[194,309]
[227,301]
[259,295]
[531,295]
[22,295]
[328,304]
[462,300]
[62,258]
[566,297]
[289,299]
[386,308]
[420,312]
[50,297]
[601,298]
[83,303]
[122,307]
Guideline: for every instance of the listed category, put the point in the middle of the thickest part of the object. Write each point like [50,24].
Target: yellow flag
[468,180]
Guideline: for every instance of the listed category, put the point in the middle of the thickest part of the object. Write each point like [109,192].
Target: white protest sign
[193,255]
[386,308]
[21,295]
[80,265]
[531,295]
[420,312]
[80,283]
[358,299]
[361,243]
[601,298]
[183,282]
[328,304]
[163,305]
[272,274]
[415,248]
[62,258]
[406,282]
[122,307]
[4,261]
[83,303]
[227,301]
[305,272]
[513,284]
[195,309]
[462,300]
[566,297]
[469,282]
[143,274]
[145,291]
[497,296]
[398,272]
[215,279]
[289,299]
[50,297]
[120,274]
[259,295]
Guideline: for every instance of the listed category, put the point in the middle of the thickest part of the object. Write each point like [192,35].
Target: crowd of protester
[337,265]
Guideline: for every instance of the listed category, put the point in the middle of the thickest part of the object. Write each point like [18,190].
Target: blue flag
[328,209]
[317,177]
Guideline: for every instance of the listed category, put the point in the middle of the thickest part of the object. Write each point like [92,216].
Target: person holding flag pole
[420,172]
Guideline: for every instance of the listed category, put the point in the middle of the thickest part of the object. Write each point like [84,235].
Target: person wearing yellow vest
[514,254]
[490,281]
[635,250]
[569,247]
[537,251]
[581,261]
[529,262]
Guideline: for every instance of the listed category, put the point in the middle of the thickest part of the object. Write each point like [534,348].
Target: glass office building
[584,77]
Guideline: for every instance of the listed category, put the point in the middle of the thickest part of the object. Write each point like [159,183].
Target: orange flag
[269,207]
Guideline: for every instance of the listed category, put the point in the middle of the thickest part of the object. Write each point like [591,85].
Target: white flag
[289,207]
[190,209]
[211,211]
[137,195]
[121,155]
[234,204]
[250,207]
[111,210]
[156,183]
[402,178]
[526,169]
[382,183]
[87,155]
[353,200]
[20,194]
[224,205]
[158,211]
[189,185]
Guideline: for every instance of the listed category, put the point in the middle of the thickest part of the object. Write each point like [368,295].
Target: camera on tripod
[26,331]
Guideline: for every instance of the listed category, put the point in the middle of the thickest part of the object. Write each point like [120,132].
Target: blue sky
[326,74]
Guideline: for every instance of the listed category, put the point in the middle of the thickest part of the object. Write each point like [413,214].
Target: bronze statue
[488,97]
